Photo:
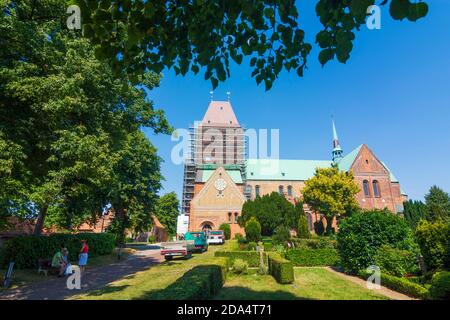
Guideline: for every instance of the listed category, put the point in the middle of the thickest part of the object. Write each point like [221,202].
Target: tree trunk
[329,225]
[40,221]
[121,216]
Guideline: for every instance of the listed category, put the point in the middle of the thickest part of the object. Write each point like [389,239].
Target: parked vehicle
[182,248]
[200,240]
[216,237]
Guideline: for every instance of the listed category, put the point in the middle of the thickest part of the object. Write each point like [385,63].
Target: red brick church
[218,177]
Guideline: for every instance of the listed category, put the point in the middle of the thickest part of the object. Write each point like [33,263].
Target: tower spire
[337,150]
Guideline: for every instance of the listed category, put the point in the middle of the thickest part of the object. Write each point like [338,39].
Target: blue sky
[393,95]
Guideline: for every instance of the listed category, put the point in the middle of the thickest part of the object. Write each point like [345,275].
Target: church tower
[217,140]
[337,153]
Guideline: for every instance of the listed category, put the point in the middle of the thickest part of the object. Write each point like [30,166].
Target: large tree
[271,210]
[437,203]
[64,117]
[167,211]
[414,211]
[136,35]
[332,193]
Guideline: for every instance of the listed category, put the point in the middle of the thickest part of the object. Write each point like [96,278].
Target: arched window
[366,188]
[257,191]
[281,190]
[290,191]
[236,217]
[376,188]
[229,217]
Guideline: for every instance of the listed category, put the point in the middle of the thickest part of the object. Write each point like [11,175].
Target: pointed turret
[337,150]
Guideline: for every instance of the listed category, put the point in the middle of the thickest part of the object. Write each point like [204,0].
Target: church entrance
[207,227]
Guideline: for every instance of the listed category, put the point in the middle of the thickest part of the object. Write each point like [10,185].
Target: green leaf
[325,56]
[417,11]
[399,9]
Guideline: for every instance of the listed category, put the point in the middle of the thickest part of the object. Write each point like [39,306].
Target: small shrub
[238,236]
[251,257]
[313,257]
[440,286]
[251,246]
[281,235]
[151,239]
[240,266]
[242,240]
[225,227]
[253,230]
[281,269]
[395,261]
[303,229]
[268,246]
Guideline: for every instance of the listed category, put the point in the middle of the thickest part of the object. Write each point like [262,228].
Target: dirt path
[56,289]
[383,290]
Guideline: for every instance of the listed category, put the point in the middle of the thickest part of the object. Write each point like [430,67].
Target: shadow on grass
[142,246]
[106,290]
[242,293]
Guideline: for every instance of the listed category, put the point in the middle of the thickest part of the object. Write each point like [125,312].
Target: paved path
[383,290]
[55,288]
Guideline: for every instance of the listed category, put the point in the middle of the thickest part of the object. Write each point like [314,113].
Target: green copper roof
[274,169]
[234,174]
[346,162]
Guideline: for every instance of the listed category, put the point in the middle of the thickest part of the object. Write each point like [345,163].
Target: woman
[83,256]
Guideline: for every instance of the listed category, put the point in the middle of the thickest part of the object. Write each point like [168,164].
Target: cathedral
[219,178]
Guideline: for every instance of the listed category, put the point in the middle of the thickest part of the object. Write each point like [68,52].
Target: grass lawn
[146,284]
[310,283]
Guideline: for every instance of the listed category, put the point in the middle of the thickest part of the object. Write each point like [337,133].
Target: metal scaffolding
[200,138]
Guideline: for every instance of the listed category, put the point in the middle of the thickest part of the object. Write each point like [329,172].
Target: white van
[216,237]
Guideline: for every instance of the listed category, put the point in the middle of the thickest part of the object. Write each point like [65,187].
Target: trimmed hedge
[251,257]
[200,283]
[400,285]
[281,269]
[317,243]
[313,257]
[440,286]
[26,250]
[268,246]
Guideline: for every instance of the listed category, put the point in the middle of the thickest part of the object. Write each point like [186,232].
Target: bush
[282,235]
[251,257]
[316,243]
[401,285]
[313,257]
[225,227]
[26,250]
[440,286]
[240,266]
[251,246]
[200,283]
[238,236]
[395,261]
[433,238]
[253,230]
[281,269]
[151,239]
[362,234]
[303,229]
[268,246]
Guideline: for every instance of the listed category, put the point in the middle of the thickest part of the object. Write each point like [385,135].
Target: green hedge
[401,285]
[26,250]
[281,269]
[200,283]
[313,257]
[268,246]
[251,257]
[440,286]
[316,243]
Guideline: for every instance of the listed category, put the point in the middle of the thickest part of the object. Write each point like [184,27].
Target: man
[60,261]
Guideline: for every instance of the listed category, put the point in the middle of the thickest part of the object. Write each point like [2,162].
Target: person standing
[83,256]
